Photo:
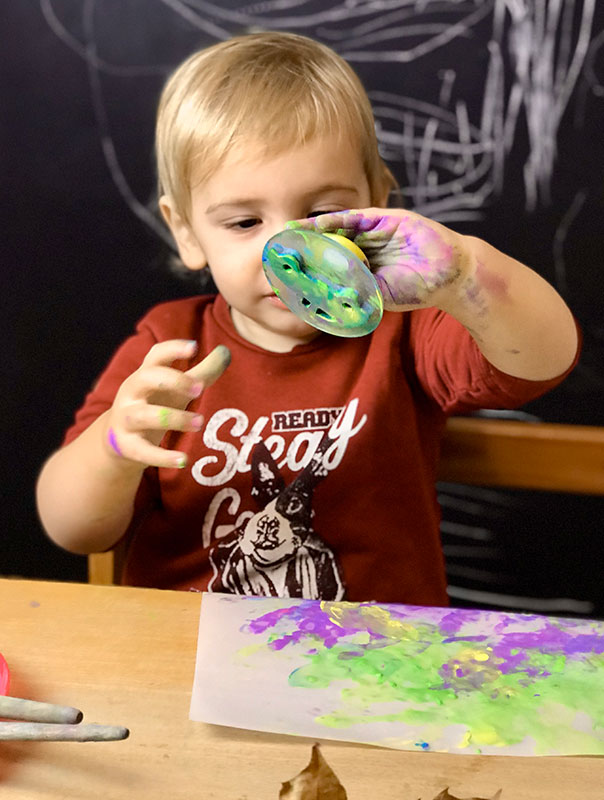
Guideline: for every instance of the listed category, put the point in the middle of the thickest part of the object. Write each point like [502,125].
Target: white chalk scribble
[450,154]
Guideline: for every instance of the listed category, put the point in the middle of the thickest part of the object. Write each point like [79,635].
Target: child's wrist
[453,296]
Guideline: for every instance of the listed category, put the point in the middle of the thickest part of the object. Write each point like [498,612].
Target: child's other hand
[415,261]
[153,400]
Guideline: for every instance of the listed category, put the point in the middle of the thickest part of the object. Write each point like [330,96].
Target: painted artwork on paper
[407,677]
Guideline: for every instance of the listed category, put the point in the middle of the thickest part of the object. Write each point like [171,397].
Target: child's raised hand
[153,400]
[412,258]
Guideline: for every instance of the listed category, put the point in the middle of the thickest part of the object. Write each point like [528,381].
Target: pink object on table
[4,676]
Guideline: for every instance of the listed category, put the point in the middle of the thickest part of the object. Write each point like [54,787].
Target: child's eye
[321,211]
[244,224]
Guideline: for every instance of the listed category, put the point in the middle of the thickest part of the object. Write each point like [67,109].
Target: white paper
[451,680]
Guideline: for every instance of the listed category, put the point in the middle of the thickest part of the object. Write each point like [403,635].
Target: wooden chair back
[484,451]
[523,455]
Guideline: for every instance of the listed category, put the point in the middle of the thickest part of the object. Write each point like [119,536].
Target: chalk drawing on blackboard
[450,159]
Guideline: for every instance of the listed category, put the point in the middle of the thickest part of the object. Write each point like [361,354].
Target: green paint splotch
[502,677]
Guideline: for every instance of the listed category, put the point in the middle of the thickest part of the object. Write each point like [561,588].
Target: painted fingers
[211,368]
[415,260]
[154,399]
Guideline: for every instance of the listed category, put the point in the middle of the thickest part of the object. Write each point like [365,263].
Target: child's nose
[276,227]
[271,229]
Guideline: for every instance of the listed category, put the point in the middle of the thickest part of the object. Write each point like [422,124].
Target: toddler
[308,466]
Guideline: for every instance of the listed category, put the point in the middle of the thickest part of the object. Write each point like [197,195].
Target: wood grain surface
[126,656]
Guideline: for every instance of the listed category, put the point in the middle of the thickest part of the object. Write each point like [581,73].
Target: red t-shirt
[314,474]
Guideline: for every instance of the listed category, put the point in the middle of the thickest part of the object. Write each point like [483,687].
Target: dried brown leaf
[444,795]
[317,781]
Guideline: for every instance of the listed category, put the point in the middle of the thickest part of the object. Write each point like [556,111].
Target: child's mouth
[275,301]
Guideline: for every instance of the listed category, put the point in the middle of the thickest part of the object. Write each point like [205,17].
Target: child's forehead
[250,153]
[282,174]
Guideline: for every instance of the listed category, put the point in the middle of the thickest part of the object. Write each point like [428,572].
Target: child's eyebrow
[235,203]
[254,201]
[331,187]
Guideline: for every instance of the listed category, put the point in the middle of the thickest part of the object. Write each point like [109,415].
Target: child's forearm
[518,320]
[86,495]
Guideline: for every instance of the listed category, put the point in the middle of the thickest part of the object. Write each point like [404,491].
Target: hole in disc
[305,302]
[321,313]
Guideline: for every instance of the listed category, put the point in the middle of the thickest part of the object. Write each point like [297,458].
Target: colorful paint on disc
[323,281]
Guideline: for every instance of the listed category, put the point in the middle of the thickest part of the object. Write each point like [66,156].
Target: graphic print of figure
[276,552]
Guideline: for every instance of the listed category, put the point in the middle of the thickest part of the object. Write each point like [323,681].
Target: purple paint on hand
[111,438]
[411,257]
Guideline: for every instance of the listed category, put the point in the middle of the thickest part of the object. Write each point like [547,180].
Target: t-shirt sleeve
[453,372]
[174,319]
[126,360]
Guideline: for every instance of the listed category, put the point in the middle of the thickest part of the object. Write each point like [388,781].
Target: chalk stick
[34,711]
[42,732]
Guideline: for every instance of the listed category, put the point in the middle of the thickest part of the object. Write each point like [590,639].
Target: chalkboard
[489,112]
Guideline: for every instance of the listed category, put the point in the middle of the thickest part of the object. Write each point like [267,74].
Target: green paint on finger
[164,417]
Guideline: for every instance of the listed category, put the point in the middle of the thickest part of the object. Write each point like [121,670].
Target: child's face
[247,201]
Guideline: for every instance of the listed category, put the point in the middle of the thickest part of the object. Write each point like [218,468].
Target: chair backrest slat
[523,455]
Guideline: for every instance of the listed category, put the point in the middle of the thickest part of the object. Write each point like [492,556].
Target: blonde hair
[275,89]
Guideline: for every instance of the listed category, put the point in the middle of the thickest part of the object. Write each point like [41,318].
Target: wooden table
[127,656]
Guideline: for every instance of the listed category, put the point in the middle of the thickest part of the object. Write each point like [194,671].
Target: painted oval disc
[323,282]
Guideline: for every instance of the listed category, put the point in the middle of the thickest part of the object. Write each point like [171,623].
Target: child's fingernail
[191,346]
[197,422]
[196,389]
[180,462]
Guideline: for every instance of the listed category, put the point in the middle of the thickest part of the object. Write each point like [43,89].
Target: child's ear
[189,249]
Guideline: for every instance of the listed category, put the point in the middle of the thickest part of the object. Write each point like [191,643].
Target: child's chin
[287,322]
[299,329]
